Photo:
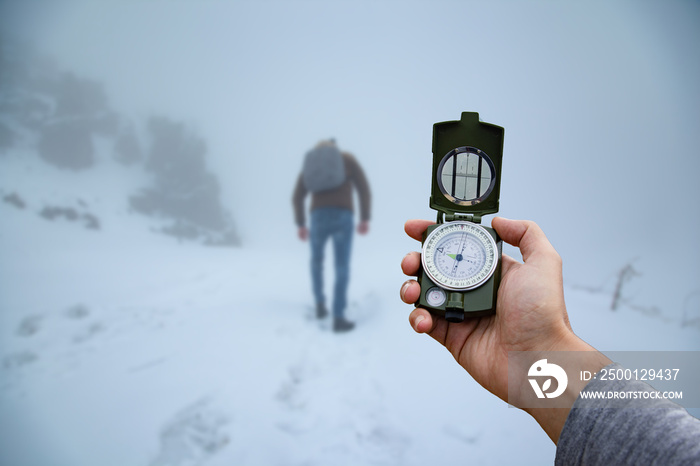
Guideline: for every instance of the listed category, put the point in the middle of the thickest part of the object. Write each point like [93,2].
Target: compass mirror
[466,176]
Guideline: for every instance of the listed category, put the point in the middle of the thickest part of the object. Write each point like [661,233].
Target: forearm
[359,180]
[628,430]
[298,202]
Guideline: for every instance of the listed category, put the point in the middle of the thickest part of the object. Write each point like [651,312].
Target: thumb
[527,236]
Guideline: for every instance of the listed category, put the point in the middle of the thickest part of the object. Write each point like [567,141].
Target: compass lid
[467,157]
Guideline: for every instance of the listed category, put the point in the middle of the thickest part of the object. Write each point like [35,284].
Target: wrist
[587,358]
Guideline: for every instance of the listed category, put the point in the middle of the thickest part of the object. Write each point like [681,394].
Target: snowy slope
[123,347]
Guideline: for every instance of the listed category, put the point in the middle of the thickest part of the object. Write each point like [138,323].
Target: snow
[120,346]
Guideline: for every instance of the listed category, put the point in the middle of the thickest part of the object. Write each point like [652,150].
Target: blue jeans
[337,224]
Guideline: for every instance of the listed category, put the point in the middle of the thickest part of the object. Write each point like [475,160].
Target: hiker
[330,175]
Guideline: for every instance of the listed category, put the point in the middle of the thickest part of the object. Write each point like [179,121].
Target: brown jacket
[338,197]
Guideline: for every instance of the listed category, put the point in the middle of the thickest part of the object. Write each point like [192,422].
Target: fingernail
[418,320]
[404,287]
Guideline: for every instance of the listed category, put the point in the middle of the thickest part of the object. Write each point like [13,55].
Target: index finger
[415,228]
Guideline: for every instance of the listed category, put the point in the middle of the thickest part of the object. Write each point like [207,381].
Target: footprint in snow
[30,325]
[192,436]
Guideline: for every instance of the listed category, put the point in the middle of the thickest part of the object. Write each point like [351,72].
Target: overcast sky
[599,100]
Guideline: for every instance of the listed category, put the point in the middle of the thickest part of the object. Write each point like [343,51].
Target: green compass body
[461,259]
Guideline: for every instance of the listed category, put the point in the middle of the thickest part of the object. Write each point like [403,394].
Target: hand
[530,314]
[303,233]
[363,227]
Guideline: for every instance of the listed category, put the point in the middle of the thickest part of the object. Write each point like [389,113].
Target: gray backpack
[323,168]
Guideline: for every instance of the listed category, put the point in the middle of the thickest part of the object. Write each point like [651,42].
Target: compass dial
[459,255]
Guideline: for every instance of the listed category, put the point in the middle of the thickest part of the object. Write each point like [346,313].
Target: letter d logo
[542,368]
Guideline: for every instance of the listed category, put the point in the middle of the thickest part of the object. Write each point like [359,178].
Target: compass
[461,259]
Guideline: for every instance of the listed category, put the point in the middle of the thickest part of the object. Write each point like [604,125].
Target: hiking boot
[340,324]
[321,311]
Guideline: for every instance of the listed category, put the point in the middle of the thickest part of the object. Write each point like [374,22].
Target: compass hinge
[461,216]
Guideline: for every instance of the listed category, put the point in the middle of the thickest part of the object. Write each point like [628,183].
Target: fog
[599,100]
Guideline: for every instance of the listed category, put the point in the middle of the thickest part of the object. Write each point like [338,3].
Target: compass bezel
[439,278]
